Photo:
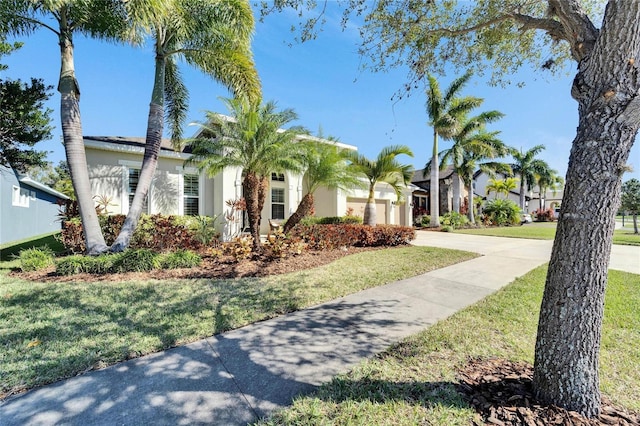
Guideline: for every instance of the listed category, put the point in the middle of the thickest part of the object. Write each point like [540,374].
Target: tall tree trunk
[250,191]
[370,208]
[569,329]
[470,213]
[434,185]
[635,223]
[456,192]
[522,187]
[74,145]
[304,209]
[155,128]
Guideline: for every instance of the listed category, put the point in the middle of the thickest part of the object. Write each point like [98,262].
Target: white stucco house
[114,165]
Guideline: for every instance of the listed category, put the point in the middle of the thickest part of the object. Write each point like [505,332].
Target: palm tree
[477,149]
[549,180]
[527,166]
[471,138]
[99,19]
[325,166]
[214,37]
[251,139]
[385,168]
[501,186]
[444,113]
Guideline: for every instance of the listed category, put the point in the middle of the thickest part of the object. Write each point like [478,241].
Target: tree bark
[155,128]
[370,208]
[523,184]
[456,192]
[569,330]
[304,209]
[434,185]
[470,213]
[250,191]
[635,223]
[74,145]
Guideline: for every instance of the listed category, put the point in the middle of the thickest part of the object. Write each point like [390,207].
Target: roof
[165,145]
[418,175]
[42,187]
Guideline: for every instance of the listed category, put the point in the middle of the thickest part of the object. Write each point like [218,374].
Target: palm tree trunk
[522,186]
[434,185]
[254,192]
[456,193]
[74,148]
[370,208]
[155,127]
[470,213]
[304,209]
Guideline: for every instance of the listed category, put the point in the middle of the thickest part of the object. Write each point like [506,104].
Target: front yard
[54,330]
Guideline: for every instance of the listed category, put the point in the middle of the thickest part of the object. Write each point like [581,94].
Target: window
[20,197]
[279,177]
[134,178]
[277,203]
[191,191]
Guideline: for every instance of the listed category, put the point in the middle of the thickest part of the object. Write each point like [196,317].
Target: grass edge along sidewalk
[52,331]
[413,382]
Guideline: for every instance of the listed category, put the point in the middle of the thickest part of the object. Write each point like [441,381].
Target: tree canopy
[23,119]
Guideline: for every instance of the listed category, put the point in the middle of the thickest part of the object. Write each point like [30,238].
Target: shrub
[239,248]
[140,260]
[502,212]
[426,220]
[447,228]
[542,215]
[36,258]
[454,220]
[180,259]
[321,237]
[331,220]
[72,237]
[72,265]
[279,245]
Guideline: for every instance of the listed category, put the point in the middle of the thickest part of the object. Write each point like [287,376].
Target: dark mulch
[501,392]
[223,267]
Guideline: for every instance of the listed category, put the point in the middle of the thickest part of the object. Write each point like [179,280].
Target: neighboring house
[28,208]
[533,199]
[114,165]
[422,182]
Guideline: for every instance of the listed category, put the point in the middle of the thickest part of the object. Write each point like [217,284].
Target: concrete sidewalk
[239,376]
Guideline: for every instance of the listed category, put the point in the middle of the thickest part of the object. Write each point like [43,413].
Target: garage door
[357,204]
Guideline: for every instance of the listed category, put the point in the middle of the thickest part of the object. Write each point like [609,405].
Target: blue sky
[321,80]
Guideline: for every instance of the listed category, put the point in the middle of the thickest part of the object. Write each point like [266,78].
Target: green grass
[51,331]
[8,251]
[545,231]
[413,381]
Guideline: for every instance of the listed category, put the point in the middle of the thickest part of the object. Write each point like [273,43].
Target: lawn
[545,231]
[50,331]
[413,381]
[9,251]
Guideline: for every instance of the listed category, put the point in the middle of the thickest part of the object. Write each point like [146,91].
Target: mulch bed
[223,267]
[501,392]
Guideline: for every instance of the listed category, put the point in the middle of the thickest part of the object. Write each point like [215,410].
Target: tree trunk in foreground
[569,330]
[455,206]
[470,212]
[74,149]
[522,187]
[635,223]
[155,128]
[304,209]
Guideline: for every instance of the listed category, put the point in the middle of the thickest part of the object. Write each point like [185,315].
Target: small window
[134,178]
[279,177]
[191,188]
[20,197]
[277,203]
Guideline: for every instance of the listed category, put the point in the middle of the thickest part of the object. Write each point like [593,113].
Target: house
[28,208]
[533,199]
[422,182]
[114,166]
